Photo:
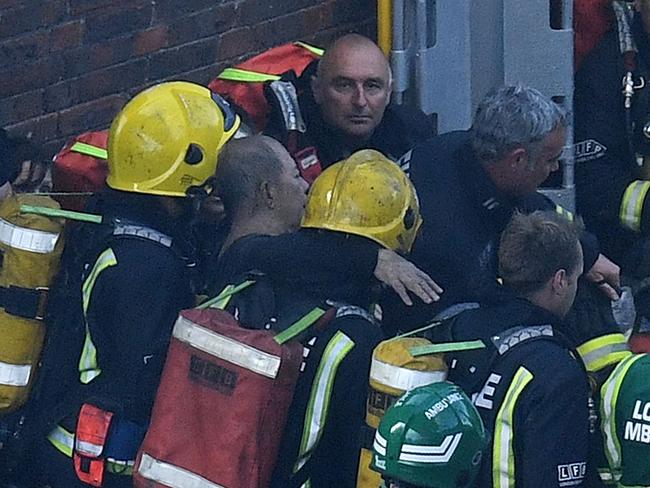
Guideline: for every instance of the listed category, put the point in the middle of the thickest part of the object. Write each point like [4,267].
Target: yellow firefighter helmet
[167,139]
[367,195]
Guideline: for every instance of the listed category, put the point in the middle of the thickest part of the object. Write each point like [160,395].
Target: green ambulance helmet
[625,421]
[431,437]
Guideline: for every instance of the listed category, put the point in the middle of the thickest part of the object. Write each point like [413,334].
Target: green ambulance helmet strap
[65,214]
[89,150]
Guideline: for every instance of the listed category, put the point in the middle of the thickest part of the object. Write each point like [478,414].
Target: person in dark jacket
[344,99]
[365,198]
[528,384]
[612,145]
[130,278]
[470,183]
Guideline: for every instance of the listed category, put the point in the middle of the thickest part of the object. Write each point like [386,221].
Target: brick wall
[67,66]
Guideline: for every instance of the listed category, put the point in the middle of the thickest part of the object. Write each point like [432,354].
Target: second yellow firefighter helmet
[367,195]
[167,139]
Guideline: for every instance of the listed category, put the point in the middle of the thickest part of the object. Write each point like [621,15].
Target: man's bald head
[352,86]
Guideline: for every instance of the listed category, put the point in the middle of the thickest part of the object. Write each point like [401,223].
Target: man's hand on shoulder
[403,276]
[607,275]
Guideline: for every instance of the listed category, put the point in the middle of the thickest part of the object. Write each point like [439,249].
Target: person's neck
[246,225]
[544,300]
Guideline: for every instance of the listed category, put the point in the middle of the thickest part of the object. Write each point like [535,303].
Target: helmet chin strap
[196,196]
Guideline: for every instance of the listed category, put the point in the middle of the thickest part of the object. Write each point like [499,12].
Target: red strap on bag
[308,163]
[90,438]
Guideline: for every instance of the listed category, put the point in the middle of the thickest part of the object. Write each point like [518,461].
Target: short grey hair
[511,117]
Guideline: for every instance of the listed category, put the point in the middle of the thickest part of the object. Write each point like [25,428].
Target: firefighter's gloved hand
[403,276]
[607,276]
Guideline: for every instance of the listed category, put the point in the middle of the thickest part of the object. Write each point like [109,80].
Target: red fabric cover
[230,437]
[639,343]
[75,172]
[250,96]
[591,19]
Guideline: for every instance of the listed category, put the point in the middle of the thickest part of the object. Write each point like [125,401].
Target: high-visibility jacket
[538,416]
[113,325]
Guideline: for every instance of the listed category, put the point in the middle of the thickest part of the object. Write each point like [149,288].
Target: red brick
[90,58]
[254,11]
[81,6]
[114,79]
[202,24]
[183,58]
[172,9]
[97,114]
[238,42]
[21,107]
[282,29]
[23,49]
[202,75]
[26,77]
[150,40]
[43,128]
[29,15]
[105,25]
[66,36]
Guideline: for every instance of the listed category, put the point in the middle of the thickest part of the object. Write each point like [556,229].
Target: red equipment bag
[243,85]
[80,167]
[221,406]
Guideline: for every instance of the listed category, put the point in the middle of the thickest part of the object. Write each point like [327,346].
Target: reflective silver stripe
[85,447]
[379,445]
[170,475]
[317,408]
[27,239]
[632,204]
[14,374]
[62,440]
[431,454]
[403,379]
[226,348]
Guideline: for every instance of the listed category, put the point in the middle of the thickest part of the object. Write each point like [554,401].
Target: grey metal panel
[464,62]
[540,56]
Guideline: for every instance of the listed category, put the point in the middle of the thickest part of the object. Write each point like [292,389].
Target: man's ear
[268,194]
[559,281]
[316,88]
[516,157]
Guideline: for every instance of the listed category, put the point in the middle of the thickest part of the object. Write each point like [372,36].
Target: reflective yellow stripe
[89,150]
[609,395]
[26,239]
[321,391]
[632,204]
[312,49]
[559,209]
[246,76]
[88,367]
[250,76]
[63,441]
[503,454]
[603,351]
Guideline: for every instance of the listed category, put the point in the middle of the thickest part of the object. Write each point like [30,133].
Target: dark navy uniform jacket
[531,391]
[605,165]
[463,216]
[321,442]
